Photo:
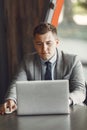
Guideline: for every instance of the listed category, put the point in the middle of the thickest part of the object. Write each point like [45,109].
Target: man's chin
[45,57]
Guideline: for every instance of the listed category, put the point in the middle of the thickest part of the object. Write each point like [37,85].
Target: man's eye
[39,43]
[49,43]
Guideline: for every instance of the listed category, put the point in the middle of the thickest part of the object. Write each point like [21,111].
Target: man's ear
[57,42]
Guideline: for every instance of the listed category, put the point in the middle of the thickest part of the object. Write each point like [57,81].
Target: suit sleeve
[77,82]
[20,76]
[25,72]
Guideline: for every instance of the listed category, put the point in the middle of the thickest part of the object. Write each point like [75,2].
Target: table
[77,120]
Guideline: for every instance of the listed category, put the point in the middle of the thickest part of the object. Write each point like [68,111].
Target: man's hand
[8,107]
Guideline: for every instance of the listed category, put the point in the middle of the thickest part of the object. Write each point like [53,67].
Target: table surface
[76,120]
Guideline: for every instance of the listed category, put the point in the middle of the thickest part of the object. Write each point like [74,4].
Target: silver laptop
[42,97]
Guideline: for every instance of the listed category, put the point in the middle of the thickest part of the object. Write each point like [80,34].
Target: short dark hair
[43,28]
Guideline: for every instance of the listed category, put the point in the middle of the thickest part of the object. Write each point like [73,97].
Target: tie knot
[48,63]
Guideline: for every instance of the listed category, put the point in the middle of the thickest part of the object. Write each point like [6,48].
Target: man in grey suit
[63,66]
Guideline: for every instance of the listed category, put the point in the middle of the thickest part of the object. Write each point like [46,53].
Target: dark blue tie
[48,75]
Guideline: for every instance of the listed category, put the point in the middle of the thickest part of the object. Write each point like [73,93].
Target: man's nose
[44,47]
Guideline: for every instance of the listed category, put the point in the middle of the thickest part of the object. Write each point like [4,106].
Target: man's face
[45,45]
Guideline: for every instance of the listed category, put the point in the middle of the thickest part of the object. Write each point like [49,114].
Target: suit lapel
[37,74]
[59,65]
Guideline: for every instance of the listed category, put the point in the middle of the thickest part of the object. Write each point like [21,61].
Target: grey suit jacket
[67,67]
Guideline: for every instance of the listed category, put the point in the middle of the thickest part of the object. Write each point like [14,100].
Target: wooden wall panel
[3,55]
[20,18]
